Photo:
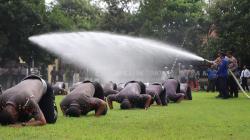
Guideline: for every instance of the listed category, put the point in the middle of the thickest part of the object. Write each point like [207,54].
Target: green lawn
[202,118]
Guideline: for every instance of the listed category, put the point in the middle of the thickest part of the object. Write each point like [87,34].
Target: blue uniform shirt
[211,73]
[223,68]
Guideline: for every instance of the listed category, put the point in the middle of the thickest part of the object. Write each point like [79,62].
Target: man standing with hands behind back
[245,74]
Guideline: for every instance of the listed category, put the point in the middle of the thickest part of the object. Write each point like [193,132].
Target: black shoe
[218,96]
[226,97]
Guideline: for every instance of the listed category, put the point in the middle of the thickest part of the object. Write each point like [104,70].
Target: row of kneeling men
[32,101]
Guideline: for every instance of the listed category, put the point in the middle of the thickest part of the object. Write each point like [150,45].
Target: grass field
[202,118]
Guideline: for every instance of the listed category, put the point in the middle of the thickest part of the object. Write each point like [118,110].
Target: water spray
[176,59]
[115,57]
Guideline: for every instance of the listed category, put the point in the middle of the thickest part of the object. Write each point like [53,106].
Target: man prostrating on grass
[83,98]
[29,103]
[156,91]
[172,90]
[133,95]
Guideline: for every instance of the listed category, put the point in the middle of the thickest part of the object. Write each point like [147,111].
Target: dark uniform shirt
[25,98]
[132,93]
[87,89]
[109,89]
[108,86]
[86,103]
[154,91]
[170,88]
[157,89]
[82,94]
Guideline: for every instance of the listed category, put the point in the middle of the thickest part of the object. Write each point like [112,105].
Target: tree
[19,20]
[172,21]
[57,20]
[81,12]
[231,18]
[118,17]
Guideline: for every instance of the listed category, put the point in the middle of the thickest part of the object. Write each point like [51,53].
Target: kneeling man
[85,97]
[171,86]
[186,89]
[131,96]
[59,88]
[156,91]
[109,88]
[31,103]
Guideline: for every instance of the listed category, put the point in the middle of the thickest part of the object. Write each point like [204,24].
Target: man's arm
[110,100]
[247,73]
[63,108]
[157,99]
[37,122]
[101,108]
[39,118]
[64,105]
[241,74]
[37,114]
[148,101]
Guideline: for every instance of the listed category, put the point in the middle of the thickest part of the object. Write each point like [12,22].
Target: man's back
[87,89]
[156,88]
[76,97]
[170,86]
[30,87]
[85,102]
[130,89]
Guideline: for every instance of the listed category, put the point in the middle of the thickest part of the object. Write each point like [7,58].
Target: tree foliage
[118,17]
[19,20]
[81,12]
[24,18]
[231,18]
[173,21]
[168,20]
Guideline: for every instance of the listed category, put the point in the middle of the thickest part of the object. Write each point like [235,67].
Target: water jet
[111,55]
